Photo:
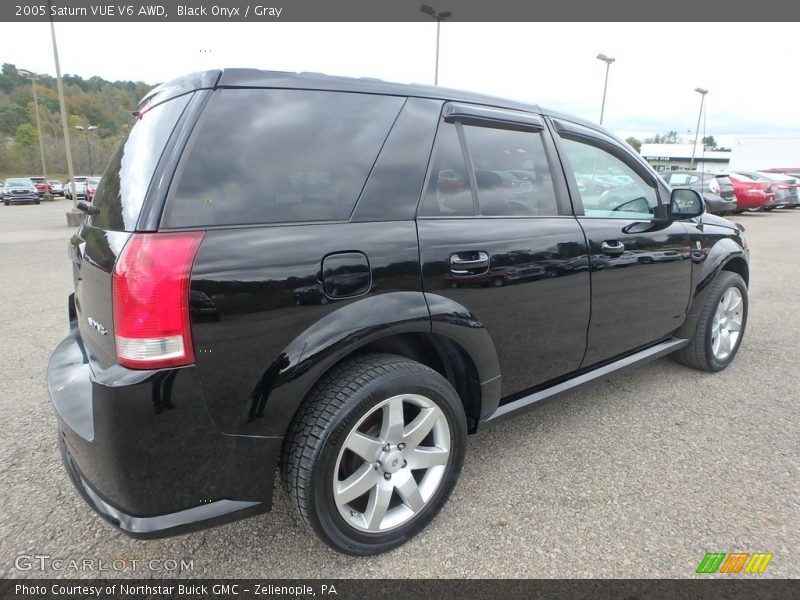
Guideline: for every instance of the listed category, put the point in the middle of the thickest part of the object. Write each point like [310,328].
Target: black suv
[342,278]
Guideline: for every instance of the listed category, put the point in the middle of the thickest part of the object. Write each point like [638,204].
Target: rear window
[279,156]
[123,186]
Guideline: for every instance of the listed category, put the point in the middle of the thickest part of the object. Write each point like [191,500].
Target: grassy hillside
[105,104]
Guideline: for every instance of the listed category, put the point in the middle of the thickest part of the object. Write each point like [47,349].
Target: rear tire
[720,326]
[396,430]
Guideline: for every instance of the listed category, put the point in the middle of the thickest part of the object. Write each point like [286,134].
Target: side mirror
[685,204]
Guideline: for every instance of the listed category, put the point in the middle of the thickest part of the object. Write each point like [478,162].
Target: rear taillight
[713,185]
[151,300]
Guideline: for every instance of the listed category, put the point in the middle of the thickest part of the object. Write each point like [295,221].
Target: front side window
[608,187]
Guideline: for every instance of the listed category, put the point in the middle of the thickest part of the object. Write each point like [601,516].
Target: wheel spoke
[425,458]
[355,486]
[735,324]
[393,421]
[725,341]
[365,446]
[735,303]
[421,426]
[726,298]
[409,493]
[715,328]
[378,504]
[715,343]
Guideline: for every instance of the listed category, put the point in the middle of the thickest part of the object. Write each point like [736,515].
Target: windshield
[25,182]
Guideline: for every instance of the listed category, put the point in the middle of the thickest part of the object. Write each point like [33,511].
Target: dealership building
[749,153]
[670,157]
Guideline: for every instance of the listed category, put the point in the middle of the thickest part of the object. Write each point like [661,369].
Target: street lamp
[34,78]
[702,93]
[608,60]
[439,18]
[88,147]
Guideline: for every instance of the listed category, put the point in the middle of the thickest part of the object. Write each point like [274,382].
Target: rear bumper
[143,452]
[183,521]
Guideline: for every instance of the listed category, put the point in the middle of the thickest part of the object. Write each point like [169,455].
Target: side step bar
[532,400]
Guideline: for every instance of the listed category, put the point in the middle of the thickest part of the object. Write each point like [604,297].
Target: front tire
[720,326]
[374,452]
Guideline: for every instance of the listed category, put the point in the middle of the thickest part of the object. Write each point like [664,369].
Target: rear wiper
[89,209]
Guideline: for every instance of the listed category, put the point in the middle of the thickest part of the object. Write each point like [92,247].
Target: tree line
[672,137]
[92,102]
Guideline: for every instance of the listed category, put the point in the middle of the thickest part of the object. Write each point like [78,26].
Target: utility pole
[34,78]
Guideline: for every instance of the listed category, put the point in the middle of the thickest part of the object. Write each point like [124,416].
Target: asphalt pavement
[636,475]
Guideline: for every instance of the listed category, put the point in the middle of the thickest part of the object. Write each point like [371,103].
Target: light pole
[74,216]
[439,18]
[34,78]
[608,60]
[702,93]
[88,147]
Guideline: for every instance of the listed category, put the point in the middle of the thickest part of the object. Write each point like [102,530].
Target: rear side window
[512,176]
[511,172]
[122,189]
[279,156]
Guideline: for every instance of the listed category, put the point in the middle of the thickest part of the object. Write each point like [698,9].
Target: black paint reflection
[162,390]
[268,290]
[260,393]
[534,294]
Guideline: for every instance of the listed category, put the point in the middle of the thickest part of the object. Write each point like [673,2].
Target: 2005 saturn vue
[342,279]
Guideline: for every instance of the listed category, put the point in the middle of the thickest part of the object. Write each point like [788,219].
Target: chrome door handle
[463,266]
[612,247]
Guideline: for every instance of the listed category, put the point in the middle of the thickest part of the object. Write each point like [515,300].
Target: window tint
[608,187]
[122,188]
[511,172]
[449,193]
[276,156]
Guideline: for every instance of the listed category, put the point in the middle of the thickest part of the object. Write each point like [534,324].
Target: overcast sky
[748,68]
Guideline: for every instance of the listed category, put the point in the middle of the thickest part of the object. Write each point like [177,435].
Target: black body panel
[534,298]
[275,321]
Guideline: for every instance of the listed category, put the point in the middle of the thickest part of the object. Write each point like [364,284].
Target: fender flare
[329,340]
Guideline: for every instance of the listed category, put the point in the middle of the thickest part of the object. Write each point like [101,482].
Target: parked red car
[751,195]
[41,185]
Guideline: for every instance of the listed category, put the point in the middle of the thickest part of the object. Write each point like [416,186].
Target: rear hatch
[725,188]
[119,198]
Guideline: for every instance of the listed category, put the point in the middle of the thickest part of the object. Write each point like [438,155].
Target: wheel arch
[394,323]
[725,255]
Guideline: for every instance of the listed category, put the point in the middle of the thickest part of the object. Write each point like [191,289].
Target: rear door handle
[613,247]
[476,261]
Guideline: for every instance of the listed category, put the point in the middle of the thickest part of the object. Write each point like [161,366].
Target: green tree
[11,117]
[671,137]
[24,148]
[635,143]
[709,142]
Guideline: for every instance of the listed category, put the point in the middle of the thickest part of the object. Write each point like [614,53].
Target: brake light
[713,185]
[150,290]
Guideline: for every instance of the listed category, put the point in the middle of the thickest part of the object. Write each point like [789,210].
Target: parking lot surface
[637,475]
